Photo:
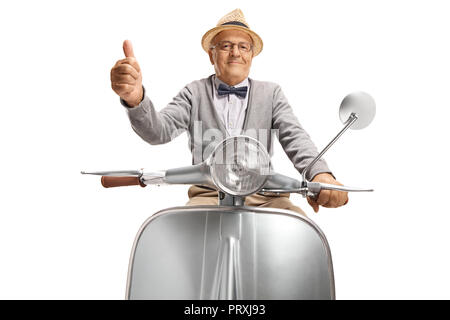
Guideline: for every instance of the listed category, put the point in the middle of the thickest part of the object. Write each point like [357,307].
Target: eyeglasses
[228,46]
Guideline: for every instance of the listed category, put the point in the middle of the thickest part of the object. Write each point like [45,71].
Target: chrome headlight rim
[212,166]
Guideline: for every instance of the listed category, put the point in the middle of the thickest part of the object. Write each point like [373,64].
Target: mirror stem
[351,119]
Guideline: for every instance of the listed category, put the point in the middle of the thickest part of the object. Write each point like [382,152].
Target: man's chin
[237,73]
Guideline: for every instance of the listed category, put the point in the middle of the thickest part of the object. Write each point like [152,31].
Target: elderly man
[228,103]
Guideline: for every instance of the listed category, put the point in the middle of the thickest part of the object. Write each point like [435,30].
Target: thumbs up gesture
[126,77]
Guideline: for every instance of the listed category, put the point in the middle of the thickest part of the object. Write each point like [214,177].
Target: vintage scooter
[232,251]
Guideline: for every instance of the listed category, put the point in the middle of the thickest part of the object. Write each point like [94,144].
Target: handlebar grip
[111,181]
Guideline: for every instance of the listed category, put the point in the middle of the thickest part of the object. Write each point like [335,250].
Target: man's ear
[210,53]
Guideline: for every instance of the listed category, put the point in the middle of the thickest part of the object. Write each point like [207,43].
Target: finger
[313,204]
[126,69]
[123,88]
[324,197]
[340,199]
[130,61]
[344,198]
[123,78]
[335,199]
[128,49]
[121,61]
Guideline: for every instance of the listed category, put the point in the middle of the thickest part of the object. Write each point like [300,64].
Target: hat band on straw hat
[235,23]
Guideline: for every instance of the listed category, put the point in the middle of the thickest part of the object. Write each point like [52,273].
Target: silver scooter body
[222,252]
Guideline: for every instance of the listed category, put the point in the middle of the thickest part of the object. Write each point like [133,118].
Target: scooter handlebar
[111,181]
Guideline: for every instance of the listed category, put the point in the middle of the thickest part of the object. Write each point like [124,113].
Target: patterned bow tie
[224,90]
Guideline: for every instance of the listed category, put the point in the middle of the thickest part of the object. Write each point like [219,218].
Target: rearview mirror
[362,105]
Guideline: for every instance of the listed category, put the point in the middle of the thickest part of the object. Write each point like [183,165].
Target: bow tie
[224,90]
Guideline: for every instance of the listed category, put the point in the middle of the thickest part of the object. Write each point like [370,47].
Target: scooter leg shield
[211,252]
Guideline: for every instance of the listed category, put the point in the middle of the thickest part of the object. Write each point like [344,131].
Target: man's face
[233,66]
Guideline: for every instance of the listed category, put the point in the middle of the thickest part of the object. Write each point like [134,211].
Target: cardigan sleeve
[295,141]
[161,127]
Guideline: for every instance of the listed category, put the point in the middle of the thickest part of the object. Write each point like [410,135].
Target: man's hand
[126,77]
[328,198]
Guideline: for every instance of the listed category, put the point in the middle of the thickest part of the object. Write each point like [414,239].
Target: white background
[63,236]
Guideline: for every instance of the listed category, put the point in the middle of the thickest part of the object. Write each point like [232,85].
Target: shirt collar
[217,82]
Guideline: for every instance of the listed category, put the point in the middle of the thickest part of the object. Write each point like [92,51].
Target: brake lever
[116,173]
[314,188]
[317,186]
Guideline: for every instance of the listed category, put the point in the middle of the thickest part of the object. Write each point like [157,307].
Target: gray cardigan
[192,110]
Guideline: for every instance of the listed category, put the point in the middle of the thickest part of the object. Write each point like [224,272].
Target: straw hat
[233,20]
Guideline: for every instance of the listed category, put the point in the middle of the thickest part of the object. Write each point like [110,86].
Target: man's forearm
[159,127]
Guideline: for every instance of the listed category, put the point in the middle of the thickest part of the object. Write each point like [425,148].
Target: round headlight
[239,165]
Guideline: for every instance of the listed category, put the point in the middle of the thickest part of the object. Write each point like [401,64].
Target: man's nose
[235,51]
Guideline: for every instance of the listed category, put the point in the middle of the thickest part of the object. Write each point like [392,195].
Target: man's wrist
[323,174]
[133,104]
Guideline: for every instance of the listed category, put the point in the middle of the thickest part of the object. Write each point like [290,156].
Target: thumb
[128,49]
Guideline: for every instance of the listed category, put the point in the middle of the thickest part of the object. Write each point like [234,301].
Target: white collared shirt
[231,108]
